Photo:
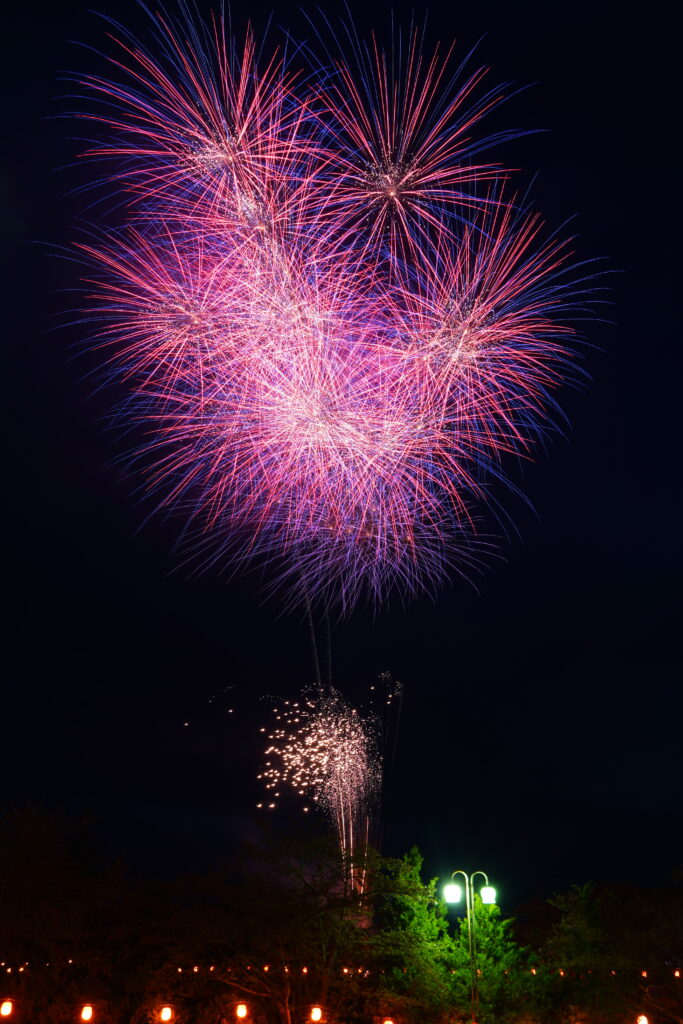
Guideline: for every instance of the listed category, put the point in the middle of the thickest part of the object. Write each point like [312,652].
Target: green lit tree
[501,965]
[409,947]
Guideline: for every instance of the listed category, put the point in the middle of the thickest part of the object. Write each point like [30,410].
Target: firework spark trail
[324,751]
[333,334]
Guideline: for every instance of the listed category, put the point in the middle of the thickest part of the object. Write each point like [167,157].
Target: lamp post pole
[452,894]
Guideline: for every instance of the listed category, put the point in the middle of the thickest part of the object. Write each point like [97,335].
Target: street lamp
[452,893]
[6,1007]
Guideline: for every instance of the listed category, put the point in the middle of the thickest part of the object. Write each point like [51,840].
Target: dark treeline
[285,926]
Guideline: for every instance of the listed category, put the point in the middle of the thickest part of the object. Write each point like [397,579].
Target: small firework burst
[326,752]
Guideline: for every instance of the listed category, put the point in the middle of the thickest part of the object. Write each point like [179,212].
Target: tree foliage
[289,924]
[499,962]
[409,946]
[613,955]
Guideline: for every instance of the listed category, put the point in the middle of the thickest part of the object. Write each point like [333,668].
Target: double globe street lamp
[453,893]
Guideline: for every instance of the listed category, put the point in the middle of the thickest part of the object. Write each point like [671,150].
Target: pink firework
[329,319]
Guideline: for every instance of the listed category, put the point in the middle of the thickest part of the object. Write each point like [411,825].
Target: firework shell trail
[330,320]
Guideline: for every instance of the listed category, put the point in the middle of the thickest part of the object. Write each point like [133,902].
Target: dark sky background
[540,737]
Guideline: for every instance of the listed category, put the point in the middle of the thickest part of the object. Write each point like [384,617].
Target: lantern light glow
[452,893]
[488,895]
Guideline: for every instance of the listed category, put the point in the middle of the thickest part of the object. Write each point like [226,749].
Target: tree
[284,932]
[501,965]
[283,928]
[293,930]
[613,954]
[58,919]
[409,946]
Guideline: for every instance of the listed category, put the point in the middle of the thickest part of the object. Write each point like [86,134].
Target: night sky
[540,737]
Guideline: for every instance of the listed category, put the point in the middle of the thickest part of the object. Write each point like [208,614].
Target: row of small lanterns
[166,1013]
[677,973]
[7,1007]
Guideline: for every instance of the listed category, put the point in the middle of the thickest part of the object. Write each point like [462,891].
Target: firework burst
[401,159]
[323,750]
[327,317]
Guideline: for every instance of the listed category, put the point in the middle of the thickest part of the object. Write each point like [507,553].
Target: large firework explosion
[327,753]
[329,317]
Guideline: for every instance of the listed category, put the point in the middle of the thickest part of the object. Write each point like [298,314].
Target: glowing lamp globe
[488,894]
[642,1019]
[316,1013]
[166,1013]
[241,1010]
[452,893]
[87,1012]
[6,1008]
